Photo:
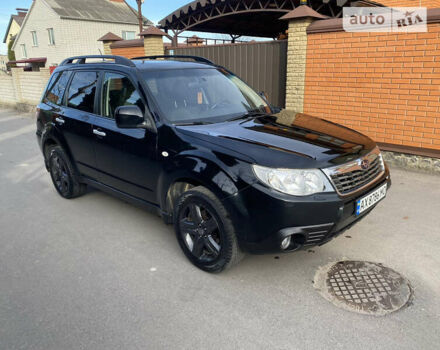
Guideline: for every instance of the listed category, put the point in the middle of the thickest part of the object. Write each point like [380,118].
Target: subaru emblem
[365,164]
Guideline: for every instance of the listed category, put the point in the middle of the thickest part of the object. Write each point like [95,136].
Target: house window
[51,36]
[23,50]
[34,38]
[128,35]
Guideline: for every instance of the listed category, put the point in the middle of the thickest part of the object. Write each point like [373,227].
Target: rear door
[52,102]
[76,118]
[126,158]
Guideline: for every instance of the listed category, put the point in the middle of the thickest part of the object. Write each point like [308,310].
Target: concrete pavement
[97,273]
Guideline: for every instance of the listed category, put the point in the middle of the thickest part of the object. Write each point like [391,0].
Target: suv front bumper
[271,216]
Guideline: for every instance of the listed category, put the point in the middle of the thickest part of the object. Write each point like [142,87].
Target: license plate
[370,199]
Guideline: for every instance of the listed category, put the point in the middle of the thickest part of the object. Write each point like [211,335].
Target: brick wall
[383,84]
[153,45]
[30,85]
[23,87]
[296,63]
[411,3]
[7,91]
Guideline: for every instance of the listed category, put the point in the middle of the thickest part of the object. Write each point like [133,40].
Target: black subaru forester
[192,141]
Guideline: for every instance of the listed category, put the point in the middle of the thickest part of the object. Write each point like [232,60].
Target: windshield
[202,95]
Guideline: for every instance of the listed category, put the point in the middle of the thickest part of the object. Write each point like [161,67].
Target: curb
[418,163]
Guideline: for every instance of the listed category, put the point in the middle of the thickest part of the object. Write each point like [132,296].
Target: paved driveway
[97,273]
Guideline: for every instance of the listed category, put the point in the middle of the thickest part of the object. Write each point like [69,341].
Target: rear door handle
[99,133]
[59,120]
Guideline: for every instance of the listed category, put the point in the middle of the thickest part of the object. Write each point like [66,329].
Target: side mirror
[129,117]
[263,95]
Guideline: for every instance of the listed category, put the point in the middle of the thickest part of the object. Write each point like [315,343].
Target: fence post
[16,83]
[107,40]
[299,19]
[153,41]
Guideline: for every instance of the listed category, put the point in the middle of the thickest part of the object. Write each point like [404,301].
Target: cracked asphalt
[98,273]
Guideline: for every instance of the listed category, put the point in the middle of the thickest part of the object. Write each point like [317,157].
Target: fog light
[285,242]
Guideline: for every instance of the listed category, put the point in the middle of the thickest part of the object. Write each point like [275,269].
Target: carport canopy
[258,18]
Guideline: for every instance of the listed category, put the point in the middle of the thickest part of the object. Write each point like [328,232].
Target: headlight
[297,182]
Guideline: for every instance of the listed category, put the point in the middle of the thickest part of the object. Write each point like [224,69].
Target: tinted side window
[82,91]
[55,92]
[118,91]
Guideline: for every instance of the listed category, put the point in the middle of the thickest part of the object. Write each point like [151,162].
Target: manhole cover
[363,287]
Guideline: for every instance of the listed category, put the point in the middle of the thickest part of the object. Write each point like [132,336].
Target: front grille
[351,177]
[351,181]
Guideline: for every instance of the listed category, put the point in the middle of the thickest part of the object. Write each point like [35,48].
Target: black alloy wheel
[200,231]
[63,174]
[60,176]
[205,231]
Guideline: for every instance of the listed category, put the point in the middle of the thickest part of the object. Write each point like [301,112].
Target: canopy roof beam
[244,17]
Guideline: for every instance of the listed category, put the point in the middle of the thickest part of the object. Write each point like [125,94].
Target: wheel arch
[52,137]
[190,171]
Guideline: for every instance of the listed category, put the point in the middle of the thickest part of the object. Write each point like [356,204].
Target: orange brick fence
[386,85]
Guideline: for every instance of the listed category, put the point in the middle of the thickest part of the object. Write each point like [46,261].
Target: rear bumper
[310,221]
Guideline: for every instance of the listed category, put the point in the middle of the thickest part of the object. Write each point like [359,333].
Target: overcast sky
[154,10]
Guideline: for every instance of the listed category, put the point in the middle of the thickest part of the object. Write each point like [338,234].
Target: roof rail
[82,60]
[195,58]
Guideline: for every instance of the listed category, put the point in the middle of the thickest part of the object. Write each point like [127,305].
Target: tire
[208,226]
[63,174]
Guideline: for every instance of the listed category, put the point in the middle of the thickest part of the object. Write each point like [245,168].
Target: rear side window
[118,90]
[56,90]
[82,91]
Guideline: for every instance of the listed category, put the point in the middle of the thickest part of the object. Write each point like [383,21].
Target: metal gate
[261,64]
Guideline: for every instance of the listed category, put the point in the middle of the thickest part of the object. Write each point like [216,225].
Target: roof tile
[152,31]
[96,10]
[110,37]
[302,12]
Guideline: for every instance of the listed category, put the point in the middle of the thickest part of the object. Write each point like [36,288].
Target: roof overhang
[110,37]
[152,31]
[30,60]
[7,30]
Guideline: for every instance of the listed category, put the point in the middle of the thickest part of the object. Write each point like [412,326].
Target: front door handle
[59,120]
[99,133]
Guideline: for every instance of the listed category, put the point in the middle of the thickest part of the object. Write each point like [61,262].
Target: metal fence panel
[261,64]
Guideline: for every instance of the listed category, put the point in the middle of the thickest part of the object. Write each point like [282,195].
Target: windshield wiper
[192,123]
[248,115]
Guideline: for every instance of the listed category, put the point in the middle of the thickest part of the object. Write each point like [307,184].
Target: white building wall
[38,19]
[72,37]
[81,37]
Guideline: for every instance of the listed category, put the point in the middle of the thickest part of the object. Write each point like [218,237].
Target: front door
[126,158]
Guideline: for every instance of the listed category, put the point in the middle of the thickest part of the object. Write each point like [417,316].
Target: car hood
[285,140]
